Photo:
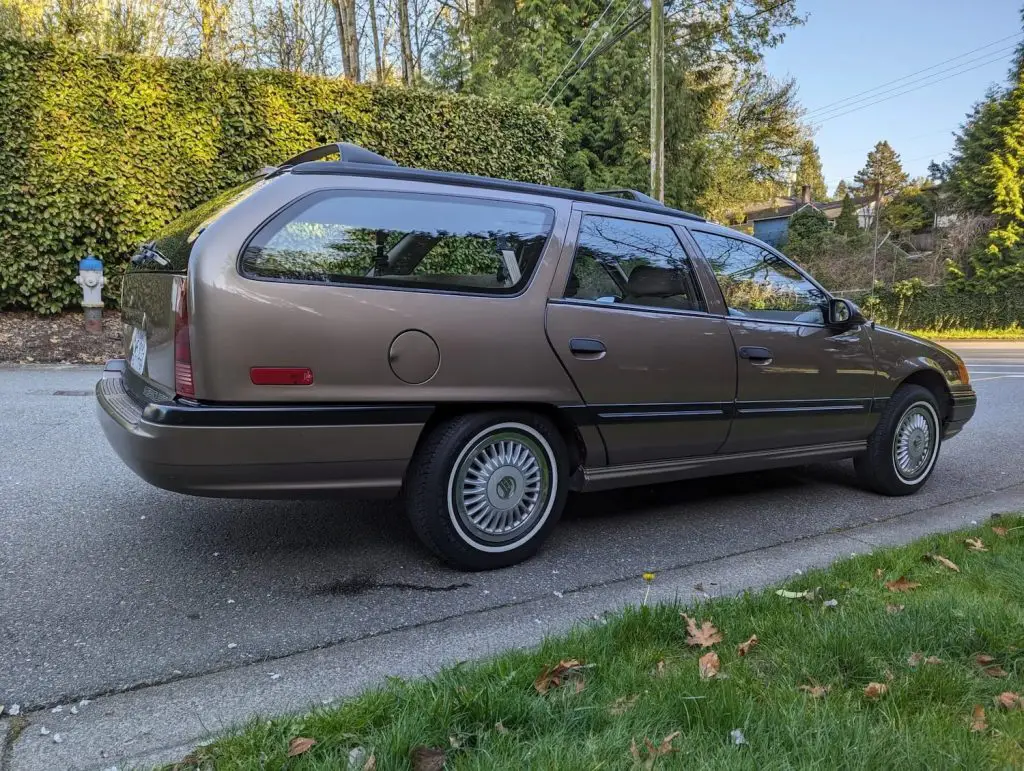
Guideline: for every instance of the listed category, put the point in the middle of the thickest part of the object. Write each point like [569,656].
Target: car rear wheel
[904,446]
[485,490]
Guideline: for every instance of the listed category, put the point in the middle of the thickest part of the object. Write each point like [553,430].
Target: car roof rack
[630,195]
[346,151]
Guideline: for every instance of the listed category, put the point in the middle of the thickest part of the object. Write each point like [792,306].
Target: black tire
[881,468]
[441,510]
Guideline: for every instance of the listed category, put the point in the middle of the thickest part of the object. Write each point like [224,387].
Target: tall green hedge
[912,305]
[97,151]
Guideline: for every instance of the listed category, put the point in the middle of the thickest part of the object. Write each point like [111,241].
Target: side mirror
[843,313]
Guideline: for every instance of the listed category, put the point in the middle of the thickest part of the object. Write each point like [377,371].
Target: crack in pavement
[356,585]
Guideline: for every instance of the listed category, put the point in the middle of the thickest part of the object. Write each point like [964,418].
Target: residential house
[770,220]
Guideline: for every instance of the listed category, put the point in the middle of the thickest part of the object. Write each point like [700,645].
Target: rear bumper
[246,451]
[963,405]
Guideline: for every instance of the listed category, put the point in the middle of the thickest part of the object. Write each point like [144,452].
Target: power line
[638,20]
[909,90]
[579,48]
[919,72]
[842,104]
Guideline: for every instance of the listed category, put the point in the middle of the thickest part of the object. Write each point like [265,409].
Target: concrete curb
[162,723]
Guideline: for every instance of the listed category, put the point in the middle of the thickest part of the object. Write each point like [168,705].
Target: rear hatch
[154,308]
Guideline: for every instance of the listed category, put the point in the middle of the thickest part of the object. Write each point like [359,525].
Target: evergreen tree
[882,167]
[847,223]
[809,172]
[841,191]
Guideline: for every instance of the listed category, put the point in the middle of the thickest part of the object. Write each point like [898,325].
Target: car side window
[630,262]
[407,240]
[759,284]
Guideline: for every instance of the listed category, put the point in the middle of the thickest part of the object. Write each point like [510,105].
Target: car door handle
[756,354]
[587,347]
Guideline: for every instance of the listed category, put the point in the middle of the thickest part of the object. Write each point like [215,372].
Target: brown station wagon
[486,346]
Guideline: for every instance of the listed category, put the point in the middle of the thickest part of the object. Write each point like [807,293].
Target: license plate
[137,360]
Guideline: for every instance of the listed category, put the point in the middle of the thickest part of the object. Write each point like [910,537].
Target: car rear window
[402,240]
[171,248]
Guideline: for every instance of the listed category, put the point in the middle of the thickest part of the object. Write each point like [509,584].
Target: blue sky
[849,47]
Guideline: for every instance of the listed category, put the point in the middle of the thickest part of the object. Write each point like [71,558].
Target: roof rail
[630,195]
[349,153]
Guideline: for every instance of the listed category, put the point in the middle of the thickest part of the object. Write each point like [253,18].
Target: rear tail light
[183,384]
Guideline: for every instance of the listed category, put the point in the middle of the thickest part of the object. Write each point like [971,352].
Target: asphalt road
[107,583]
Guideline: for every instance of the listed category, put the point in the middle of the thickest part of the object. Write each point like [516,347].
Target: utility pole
[658,100]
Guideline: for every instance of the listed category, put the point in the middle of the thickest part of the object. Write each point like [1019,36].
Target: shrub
[912,305]
[99,151]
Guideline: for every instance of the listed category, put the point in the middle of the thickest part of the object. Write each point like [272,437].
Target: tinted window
[635,263]
[402,240]
[171,248]
[760,284]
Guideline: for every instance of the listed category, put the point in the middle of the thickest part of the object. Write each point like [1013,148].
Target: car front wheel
[904,446]
[485,490]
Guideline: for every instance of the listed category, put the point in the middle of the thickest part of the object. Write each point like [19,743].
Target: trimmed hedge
[912,305]
[97,152]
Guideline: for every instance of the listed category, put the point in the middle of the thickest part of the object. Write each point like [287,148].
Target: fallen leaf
[652,752]
[933,660]
[427,758]
[945,561]
[500,727]
[901,584]
[1000,531]
[879,573]
[995,671]
[978,723]
[623,704]
[814,690]
[555,676]
[983,659]
[915,659]
[660,668]
[709,665]
[894,609]
[299,745]
[744,648]
[1010,700]
[371,763]
[705,636]
[876,690]
[809,594]
[975,544]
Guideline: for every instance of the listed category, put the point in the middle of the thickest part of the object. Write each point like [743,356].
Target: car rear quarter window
[418,241]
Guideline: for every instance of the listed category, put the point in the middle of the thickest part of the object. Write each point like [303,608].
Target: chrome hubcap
[501,486]
[914,443]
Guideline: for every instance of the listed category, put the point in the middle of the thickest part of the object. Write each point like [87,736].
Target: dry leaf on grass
[1000,531]
[995,672]
[660,669]
[744,648]
[623,704]
[983,659]
[875,690]
[814,690]
[879,573]
[652,752]
[975,544]
[894,609]
[915,659]
[371,763]
[934,660]
[1010,700]
[427,758]
[299,745]
[901,584]
[709,665]
[554,677]
[978,723]
[945,561]
[705,636]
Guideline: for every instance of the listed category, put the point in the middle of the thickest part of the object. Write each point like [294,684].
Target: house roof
[830,209]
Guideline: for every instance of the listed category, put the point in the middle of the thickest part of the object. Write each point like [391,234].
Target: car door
[626,317]
[799,380]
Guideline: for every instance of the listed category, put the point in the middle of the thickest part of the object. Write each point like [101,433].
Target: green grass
[1005,333]
[922,722]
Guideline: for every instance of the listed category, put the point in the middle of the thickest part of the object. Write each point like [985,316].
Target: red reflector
[301,376]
